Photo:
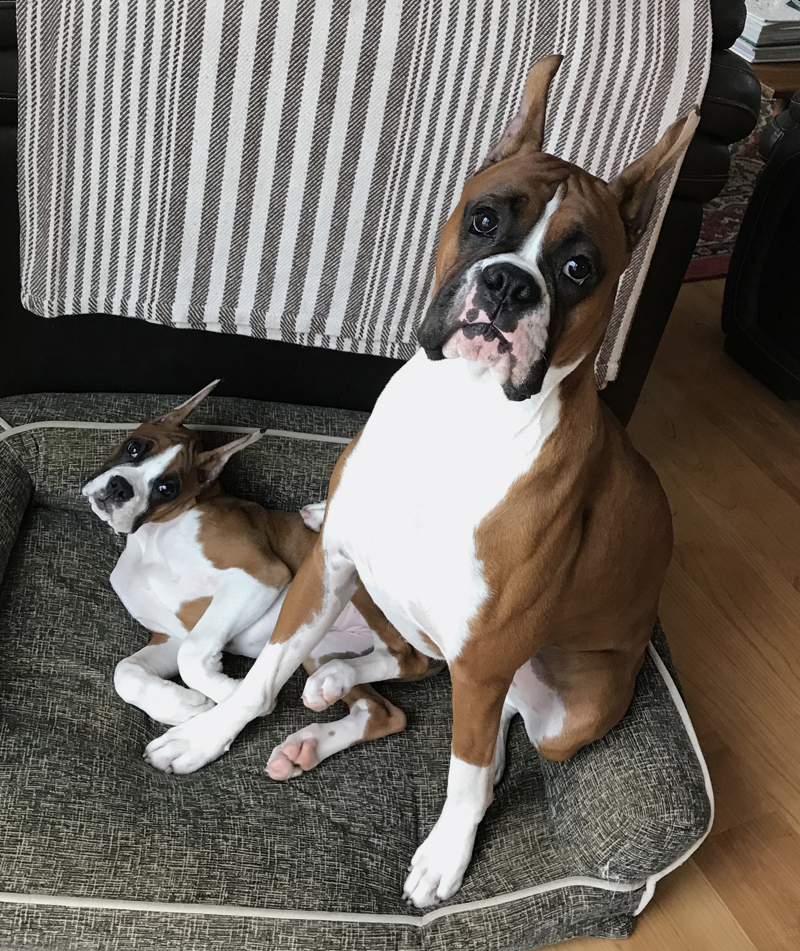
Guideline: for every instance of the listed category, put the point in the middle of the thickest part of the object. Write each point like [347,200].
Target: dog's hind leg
[322,587]
[499,764]
[392,658]
[336,677]
[371,717]
[143,680]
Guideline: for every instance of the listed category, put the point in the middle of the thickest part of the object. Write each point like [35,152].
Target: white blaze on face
[141,478]
[529,339]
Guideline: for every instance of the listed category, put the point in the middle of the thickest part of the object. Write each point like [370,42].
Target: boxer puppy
[207,573]
[527,541]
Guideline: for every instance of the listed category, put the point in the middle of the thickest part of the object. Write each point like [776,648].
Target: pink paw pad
[292,755]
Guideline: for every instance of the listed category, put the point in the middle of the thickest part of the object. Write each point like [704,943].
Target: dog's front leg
[144,680]
[238,603]
[439,863]
[322,587]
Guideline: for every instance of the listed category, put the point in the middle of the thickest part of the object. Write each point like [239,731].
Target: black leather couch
[760,309]
[91,353]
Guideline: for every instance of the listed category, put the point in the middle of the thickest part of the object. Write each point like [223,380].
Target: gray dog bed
[101,852]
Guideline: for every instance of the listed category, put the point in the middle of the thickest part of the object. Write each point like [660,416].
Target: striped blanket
[281,168]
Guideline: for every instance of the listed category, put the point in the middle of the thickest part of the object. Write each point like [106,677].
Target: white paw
[188,747]
[438,866]
[313,515]
[328,684]
[297,754]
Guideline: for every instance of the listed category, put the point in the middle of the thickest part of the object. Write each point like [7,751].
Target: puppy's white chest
[439,453]
[162,567]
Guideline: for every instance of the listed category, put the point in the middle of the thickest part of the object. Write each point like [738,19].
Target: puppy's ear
[525,132]
[177,416]
[636,187]
[212,462]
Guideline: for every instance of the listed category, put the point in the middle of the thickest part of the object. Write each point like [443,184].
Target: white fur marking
[439,863]
[445,444]
[531,250]
[141,479]
[540,706]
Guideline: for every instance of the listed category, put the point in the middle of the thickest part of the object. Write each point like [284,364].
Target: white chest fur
[439,453]
[162,567]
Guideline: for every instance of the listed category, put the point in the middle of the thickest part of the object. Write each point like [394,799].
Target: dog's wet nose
[119,489]
[511,284]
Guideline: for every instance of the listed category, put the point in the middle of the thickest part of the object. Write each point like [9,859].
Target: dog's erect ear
[636,187]
[525,132]
[177,416]
[212,462]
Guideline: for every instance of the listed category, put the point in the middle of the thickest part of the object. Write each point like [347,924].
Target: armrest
[16,489]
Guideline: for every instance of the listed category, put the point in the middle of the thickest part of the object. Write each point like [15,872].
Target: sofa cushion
[101,851]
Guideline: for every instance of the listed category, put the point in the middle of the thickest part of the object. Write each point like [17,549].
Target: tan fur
[576,553]
[430,644]
[413,664]
[234,533]
[304,598]
[190,612]
[384,717]
[599,514]
[157,638]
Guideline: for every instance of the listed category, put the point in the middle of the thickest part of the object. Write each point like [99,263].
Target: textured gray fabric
[282,168]
[15,494]
[225,411]
[84,816]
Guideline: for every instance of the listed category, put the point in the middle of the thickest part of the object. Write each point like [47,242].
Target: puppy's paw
[328,684]
[313,515]
[295,756]
[188,747]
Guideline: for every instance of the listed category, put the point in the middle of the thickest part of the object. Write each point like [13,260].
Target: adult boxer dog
[205,572]
[525,541]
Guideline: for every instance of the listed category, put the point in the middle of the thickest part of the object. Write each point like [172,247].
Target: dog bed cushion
[99,851]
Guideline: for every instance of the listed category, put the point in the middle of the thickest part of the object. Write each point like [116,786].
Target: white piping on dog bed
[680,706]
[4,424]
[358,917]
[67,424]
[239,911]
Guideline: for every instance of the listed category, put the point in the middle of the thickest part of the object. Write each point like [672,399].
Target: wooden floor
[728,454]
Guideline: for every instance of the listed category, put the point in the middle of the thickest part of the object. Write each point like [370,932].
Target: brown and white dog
[205,573]
[526,541]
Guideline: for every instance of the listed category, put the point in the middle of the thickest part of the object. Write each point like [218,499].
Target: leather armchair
[103,353]
[729,112]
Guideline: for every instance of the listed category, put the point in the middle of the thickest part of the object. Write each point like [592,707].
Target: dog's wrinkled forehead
[154,440]
[529,206]
[148,469]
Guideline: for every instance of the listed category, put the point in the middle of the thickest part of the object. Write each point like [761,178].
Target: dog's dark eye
[133,448]
[484,222]
[167,490]
[578,269]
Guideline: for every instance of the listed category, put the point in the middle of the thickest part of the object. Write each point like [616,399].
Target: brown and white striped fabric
[281,168]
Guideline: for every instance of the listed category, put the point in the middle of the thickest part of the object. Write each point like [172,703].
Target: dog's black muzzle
[506,292]
[118,491]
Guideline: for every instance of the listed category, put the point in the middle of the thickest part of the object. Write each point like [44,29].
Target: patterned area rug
[723,216]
